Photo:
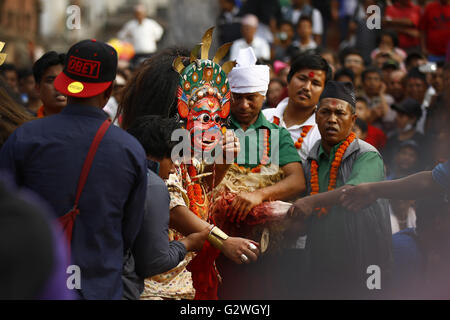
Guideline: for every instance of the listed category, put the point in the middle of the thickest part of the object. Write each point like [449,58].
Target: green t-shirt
[281,150]
[367,168]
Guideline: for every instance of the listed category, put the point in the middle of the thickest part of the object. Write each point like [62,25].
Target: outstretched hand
[302,209]
[357,197]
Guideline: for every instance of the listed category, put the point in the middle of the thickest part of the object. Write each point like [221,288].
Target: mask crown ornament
[2,55]
[204,88]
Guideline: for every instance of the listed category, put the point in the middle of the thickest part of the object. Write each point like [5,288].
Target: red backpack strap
[90,158]
[67,221]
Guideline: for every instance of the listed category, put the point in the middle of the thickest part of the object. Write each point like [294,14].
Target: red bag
[67,221]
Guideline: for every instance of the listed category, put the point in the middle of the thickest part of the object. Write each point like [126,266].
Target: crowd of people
[338,139]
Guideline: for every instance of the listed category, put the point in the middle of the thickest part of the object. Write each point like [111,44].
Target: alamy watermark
[74,280]
[374,20]
[73,20]
[374,280]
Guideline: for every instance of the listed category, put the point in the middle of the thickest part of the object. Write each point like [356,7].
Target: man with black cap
[51,157]
[342,246]
[408,114]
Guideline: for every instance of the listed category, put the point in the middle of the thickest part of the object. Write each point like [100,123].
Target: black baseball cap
[409,106]
[89,69]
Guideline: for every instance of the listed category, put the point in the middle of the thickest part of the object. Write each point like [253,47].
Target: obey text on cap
[83,67]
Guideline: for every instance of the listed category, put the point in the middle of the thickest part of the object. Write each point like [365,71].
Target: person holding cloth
[270,172]
[341,245]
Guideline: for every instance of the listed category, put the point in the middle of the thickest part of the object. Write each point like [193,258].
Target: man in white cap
[249,26]
[249,83]
[266,150]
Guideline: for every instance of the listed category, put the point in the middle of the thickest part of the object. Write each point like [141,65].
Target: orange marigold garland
[333,171]
[303,134]
[194,190]
[276,120]
[40,113]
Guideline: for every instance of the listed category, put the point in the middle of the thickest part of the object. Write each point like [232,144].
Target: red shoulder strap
[90,157]
[67,221]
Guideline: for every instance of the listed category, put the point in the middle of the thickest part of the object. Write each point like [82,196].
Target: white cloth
[142,36]
[111,109]
[261,47]
[246,76]
[424,106]
[295,130]
[410,220]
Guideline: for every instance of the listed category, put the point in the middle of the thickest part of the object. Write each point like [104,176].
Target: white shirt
[308,142]
[317,24]
[303,47]
[142,36]
[259,45]
[311,138]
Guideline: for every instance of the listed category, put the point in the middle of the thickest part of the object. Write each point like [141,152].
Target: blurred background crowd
[400,71]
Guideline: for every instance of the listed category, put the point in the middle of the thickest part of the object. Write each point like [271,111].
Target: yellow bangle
[216,237]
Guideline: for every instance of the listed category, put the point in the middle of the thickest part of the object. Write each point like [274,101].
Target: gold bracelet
[216,238]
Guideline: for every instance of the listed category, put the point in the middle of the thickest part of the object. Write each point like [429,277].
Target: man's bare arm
[292,185]
[415,186]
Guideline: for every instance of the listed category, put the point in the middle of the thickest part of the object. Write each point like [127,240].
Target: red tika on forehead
[311,74]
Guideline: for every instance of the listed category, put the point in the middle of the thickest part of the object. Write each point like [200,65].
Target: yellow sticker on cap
[75,87]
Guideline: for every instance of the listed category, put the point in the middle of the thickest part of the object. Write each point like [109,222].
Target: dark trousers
[276,276]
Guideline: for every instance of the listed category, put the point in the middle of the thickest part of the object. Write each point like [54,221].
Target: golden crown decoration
[204,77]
[2,55]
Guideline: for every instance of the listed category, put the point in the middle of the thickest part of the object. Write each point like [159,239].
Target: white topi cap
[247,76]
[250,20]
